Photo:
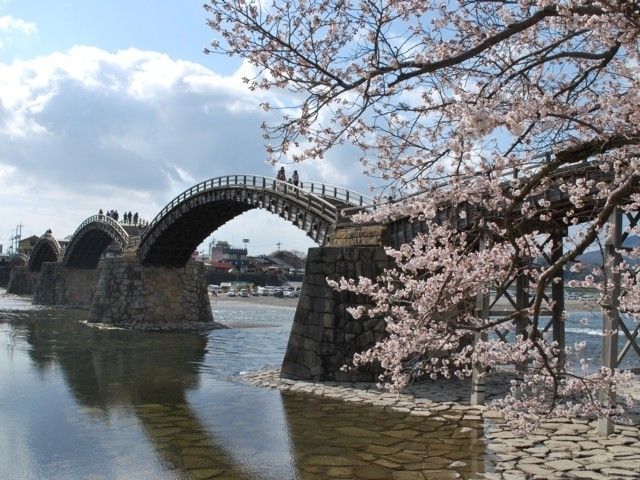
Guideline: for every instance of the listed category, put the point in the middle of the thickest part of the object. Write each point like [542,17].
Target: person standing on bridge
[281,175]
[135,218]
[100,212]
[296,179]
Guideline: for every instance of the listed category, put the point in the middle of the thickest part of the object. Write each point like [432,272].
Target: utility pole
[246,250]
[15,239]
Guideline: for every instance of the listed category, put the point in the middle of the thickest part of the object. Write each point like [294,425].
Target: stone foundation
[21,281]
[58,285]
[360,235]
[324,336]
[135,295]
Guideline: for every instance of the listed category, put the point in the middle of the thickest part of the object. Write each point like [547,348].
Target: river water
[78,402]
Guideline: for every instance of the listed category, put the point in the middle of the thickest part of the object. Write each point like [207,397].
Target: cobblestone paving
[559,449]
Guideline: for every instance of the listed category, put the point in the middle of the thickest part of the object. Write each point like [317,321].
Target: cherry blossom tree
[470,112]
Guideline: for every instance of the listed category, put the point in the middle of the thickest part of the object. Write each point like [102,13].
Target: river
[80,402]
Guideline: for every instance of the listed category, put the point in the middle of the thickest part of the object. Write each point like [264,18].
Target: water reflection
[78,402]
[106,368]
[334,440]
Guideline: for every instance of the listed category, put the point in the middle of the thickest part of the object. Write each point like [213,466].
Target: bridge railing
[340,194]
[312,194]
[102,219]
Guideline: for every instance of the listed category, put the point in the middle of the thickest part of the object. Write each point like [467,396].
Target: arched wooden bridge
[46,249]
[91,239]
[188,219]
[172,236]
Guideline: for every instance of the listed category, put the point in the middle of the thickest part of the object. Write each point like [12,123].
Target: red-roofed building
[220,266]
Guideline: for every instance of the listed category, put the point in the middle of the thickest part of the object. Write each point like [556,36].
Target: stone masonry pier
[131,294]
[324,336]
[60,285]
[22,281]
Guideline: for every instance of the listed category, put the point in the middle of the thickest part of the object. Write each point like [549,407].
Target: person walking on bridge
[281,175]
[296,179]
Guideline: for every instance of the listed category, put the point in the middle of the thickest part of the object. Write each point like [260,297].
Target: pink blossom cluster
[495,123]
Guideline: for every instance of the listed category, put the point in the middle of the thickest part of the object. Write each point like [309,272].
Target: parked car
[231,293]
[244,292]
[290,294]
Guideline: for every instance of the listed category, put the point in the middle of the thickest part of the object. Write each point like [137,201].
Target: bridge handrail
[339,193]
[102,219]
[258,182]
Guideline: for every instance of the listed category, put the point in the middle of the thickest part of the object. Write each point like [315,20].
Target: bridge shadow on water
[147,406]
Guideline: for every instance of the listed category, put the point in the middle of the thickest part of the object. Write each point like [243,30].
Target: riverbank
[558,449]
[502,304]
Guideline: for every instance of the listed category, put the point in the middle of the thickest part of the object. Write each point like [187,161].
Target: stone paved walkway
[559,449]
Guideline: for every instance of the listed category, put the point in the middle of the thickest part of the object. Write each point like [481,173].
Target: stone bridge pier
[324,336]
[60,285]
[129,293]
[21,280]
[25,272]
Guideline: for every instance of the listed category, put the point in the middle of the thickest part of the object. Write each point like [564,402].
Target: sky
[114,105]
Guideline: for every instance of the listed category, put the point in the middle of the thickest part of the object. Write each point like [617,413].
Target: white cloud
[88,129]
[9,24]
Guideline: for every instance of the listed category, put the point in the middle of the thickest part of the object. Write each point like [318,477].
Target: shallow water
[77,402]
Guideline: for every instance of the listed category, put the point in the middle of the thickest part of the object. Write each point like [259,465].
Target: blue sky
[177,28]
[113,104]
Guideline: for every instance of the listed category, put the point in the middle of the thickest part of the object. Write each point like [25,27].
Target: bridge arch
[173,235]
[46,249]
[91,239]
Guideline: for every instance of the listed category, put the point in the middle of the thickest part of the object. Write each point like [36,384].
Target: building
[221,266]
[286,262]
[26,244]
[222,251]
[296,286]
[64,242]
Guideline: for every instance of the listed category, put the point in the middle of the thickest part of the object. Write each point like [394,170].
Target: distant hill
[595,256]
[592,257]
